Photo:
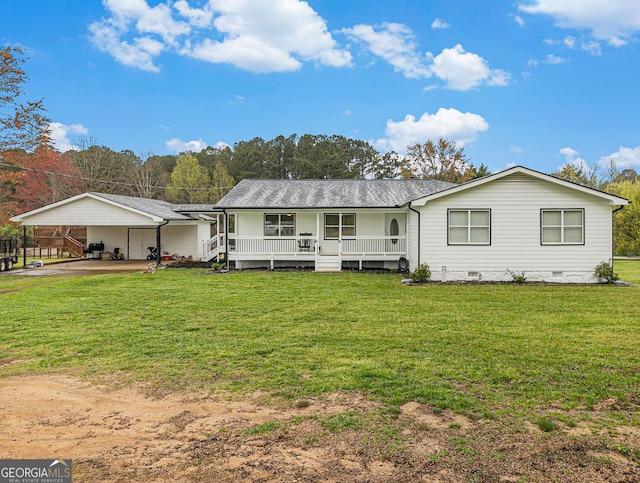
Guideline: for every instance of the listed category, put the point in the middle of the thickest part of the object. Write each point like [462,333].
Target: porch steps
[328,264]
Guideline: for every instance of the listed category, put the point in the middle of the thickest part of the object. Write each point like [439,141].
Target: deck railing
[374,245]
[362,246]
[271,245]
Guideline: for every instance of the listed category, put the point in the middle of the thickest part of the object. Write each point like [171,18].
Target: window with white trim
[337,225]
[232,224]
[279,224]
[469,227]
[562,227]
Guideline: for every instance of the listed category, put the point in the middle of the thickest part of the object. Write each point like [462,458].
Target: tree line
[43,176]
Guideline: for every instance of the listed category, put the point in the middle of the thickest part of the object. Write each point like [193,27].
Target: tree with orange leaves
[23,127]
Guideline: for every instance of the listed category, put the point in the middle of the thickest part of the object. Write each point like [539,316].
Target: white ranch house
[518,220]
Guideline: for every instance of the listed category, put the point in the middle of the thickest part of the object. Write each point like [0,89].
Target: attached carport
[130,224]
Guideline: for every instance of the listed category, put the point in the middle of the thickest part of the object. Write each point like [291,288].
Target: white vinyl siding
[88,211]
[469,227]
[562,227]
[515,202]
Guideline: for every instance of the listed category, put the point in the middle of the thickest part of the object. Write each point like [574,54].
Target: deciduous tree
[23,124]
[626,222]
[190,182]
[48,177]
[442,160]
[23,127]
[221,182]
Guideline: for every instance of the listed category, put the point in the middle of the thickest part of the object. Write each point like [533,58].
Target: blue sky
[537,83]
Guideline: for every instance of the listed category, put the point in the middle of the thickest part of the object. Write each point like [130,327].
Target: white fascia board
[613,199]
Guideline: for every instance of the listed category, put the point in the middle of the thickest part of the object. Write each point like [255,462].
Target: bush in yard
[518,278]
[421,274]
[604,271]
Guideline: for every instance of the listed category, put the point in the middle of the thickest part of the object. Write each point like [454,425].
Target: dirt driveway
[140,435]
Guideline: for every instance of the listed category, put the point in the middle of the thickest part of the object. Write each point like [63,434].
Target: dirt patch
[121,435]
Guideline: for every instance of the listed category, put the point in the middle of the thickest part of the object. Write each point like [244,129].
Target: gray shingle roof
[160,208]
[333,193]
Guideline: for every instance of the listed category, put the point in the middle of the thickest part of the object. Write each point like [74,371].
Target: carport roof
[158,210]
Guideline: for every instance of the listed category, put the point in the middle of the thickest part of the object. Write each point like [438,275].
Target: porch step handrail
[213,247]
[73,246]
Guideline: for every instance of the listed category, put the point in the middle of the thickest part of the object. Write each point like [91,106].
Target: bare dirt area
[132,435]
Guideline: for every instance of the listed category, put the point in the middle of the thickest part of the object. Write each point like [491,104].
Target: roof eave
[614,200]
[21,217]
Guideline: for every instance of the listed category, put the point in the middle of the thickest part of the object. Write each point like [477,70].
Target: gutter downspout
[612,247]
[158,240]
[419,230]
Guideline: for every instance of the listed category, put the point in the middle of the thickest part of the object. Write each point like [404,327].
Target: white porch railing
[213,247]
[359,246]
[374,245]
[261,245]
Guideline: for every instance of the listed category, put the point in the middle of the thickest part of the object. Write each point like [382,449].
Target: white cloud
[60,135]
[450,123]
[592,47]
[554,59]
[623,158]
[463,70]
[614,21]
[269,36]
[259,36]
[570,41]
[572,158]
[439,24]
[180,146]
[394,43]
[519,20]
[200,18]
[515,149]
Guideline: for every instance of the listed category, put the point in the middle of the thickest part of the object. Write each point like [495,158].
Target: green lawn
[471,348]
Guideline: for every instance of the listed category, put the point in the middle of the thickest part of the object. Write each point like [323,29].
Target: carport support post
[24,246]
[158,254]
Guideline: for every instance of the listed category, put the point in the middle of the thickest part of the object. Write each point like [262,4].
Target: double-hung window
[338,225]
[469,227]
[279,224]
[562,227]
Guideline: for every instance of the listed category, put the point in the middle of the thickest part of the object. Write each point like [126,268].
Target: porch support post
[318,233]
[225,238]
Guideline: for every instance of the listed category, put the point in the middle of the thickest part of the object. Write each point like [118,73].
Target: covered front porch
[322,240]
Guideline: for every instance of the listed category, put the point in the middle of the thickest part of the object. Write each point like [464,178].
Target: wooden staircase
[73,246]
[62,239]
